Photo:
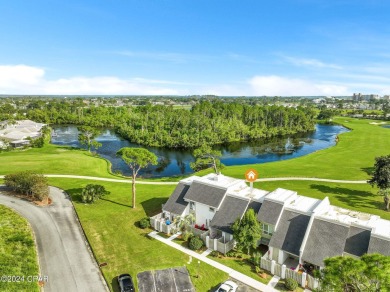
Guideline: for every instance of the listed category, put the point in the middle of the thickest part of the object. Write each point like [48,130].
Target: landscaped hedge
[144,223]
[291,284]
[195,243]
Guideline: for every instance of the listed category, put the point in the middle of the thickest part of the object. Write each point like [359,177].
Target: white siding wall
[282,257]
[275,254]
[202,213]
[227,236]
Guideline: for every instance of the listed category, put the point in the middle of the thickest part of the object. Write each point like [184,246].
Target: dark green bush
[291,284]
[195,243]
[214,253]
[144,223]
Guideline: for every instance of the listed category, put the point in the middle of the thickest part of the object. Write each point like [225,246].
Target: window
[192,205]
[211,209]
[267,229]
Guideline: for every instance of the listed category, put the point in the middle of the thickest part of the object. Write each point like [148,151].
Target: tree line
[208,122]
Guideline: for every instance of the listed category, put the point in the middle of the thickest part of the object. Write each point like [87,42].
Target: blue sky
[222,47]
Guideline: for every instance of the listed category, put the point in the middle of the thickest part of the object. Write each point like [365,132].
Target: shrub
[92,193]
[255,259]
[214,253]
[186,235]
[291,284]
[144,223]
[28,183]
[231,254]
[257,269]
[195,243]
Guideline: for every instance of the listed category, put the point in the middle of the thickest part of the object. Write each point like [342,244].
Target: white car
[228,286]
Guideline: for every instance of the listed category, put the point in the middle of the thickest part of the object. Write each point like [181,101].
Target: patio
[292,263]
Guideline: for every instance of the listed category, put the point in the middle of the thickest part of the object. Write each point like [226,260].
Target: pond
[174,162]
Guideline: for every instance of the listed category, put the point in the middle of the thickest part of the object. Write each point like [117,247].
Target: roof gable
[326,239]
[269,212]
[231,209]
[176,203]
[290,232]
[208,195]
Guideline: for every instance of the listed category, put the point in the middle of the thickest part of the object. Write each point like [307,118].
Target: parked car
[125,283]
[228,286]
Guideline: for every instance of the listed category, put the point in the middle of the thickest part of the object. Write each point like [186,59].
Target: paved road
[175,183]
[62,250]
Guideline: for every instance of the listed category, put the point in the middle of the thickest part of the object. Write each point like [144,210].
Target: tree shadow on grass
[153,206]
[75,194]
[107,200]
[354,198]
[368,170]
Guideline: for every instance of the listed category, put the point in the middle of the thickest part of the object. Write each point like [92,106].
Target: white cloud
[303,62]
[281,86]
[22,79]
[14,76]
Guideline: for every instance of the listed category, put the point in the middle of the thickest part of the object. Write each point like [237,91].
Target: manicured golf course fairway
[111,225]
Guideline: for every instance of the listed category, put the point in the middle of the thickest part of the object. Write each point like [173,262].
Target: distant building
[364,97]
[17,133]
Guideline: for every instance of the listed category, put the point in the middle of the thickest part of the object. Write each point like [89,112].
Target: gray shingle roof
[357,241]
[290,232]
[255,206]
[379,245]
[205,194]
[325,240]
[231,209]
[176,203]
[269,212]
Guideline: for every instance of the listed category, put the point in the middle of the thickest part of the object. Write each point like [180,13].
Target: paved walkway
[232,273]
[272,283]
[128,181]
[207,252]
[63,252]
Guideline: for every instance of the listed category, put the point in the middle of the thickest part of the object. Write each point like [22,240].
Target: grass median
[18,256]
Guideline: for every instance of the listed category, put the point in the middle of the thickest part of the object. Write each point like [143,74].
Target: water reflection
[177,162]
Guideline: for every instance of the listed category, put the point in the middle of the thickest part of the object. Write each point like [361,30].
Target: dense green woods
[207,122]
[212,123]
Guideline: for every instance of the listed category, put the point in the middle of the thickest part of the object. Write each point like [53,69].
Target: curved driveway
[63,252]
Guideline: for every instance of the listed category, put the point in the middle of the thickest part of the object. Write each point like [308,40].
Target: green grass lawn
[351,159]
[243,266]
[53,159]
[111,228]
[18,254]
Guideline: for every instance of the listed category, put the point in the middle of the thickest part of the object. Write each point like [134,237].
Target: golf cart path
[63,252]
[175,183]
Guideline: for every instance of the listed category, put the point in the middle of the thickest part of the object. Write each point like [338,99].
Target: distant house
[297,230]
[18,133]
